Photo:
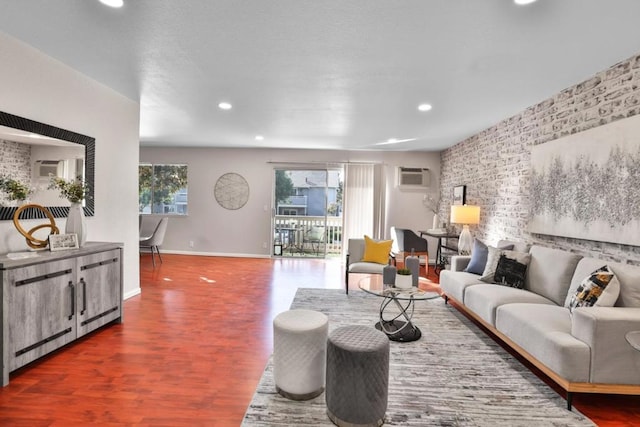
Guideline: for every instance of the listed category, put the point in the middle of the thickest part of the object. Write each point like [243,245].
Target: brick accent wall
[495,164]
[15,162]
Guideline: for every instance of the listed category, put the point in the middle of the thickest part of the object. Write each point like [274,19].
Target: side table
[443,245]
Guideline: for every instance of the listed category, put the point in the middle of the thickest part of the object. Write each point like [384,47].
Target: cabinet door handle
[73,300]
[84,296]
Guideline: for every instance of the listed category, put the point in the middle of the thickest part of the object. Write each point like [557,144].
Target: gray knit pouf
[357,376]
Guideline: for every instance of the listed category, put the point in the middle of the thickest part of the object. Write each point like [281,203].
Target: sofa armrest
[613,360]
[459,262]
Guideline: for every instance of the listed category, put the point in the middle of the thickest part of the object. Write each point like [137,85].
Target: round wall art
[231,191]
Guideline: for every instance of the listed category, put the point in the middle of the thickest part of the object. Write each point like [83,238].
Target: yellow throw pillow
[376,251]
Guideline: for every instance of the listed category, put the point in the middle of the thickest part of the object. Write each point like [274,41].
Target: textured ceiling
[338,74]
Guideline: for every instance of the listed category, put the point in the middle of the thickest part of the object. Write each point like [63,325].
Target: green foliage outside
[284,186]
[157,184]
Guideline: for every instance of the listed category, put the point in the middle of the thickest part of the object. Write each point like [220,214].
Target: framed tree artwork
[460,195]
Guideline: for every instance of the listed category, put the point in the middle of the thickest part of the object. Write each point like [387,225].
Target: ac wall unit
[48,168]
[413,178]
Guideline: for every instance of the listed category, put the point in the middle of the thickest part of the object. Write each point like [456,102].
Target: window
[162,189]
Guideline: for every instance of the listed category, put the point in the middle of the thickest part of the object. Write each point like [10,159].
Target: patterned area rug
[453,376]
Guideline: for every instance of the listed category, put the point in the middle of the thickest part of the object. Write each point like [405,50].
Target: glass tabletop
[373,285]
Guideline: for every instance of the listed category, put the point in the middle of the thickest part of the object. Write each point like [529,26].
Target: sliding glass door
[307,214]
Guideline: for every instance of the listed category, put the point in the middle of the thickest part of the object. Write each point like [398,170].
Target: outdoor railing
[290,231]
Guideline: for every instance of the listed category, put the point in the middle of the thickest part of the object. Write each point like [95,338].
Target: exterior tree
[284,186]
[158,184]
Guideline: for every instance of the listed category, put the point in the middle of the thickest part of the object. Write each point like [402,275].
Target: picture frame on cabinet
[63,242]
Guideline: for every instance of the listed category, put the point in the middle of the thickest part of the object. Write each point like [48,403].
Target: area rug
[454,375]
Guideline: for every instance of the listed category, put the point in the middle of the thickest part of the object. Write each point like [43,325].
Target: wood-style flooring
[191,351]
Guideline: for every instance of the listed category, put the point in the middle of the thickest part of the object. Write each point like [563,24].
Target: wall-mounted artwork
[460,195]
[587,185]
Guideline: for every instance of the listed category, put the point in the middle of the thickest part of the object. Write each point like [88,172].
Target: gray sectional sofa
[583,350]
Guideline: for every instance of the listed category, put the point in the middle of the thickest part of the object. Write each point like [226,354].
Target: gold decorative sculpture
[28,235]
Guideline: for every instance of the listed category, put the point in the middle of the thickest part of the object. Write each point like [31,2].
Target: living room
[494,163]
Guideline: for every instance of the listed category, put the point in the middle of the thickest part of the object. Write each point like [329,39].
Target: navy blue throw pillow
[478,258]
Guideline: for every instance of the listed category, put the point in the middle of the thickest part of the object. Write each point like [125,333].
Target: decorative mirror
[14,127]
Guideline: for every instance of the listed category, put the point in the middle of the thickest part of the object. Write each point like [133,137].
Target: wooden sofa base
[568,386]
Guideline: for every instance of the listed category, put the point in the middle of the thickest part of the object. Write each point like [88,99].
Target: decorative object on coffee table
[404,279]
[465,215]
[389,273]
[357,376]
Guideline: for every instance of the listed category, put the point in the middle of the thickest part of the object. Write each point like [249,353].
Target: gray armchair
[354,263]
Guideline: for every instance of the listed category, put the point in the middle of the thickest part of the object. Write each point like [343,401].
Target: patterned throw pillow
[601,288]
[492,261]
[376,251]
[511,272]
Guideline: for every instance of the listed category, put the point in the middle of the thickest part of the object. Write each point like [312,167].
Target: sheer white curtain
[364,201]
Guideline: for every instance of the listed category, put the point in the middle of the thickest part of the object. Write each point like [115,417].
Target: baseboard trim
[221,254]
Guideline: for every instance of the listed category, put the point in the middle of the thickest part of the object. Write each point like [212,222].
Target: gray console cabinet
[53,298]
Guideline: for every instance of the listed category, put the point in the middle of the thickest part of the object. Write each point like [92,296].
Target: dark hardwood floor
[191,351]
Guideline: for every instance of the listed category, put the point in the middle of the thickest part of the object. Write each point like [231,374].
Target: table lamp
[465,215]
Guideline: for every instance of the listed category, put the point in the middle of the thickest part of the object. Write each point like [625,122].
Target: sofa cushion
[366,267]
[513,246]
[600,288]
[550,272]
[478,258]
[376,251]
[454,283]
[484,299]
[512,271]
[544,331]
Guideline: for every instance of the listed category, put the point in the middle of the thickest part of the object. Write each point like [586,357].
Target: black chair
[404,241]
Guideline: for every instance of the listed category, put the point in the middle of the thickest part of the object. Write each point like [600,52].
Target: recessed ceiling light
[224,106]
[112,3]
[523,2]
[259,138]
[424,107]
[395,141]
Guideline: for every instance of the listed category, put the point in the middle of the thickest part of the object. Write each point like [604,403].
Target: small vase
[404,281]
[76,223]
[436,222]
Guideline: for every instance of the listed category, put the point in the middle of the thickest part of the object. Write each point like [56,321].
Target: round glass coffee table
[396,323]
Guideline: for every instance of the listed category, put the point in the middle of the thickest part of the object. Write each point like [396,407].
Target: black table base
[398,330]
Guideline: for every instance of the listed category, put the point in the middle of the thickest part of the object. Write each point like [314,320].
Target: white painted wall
[40,88]
[215,230]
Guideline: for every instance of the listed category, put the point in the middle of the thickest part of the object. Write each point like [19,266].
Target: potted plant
[15,190]
[404,280]
[75,192]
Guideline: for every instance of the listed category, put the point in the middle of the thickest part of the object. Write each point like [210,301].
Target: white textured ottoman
[299,353]
[357,376]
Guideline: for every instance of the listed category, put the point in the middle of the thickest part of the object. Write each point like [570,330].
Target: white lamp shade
[465,214]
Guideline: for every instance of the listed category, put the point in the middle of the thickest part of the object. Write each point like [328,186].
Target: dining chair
[154,241]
